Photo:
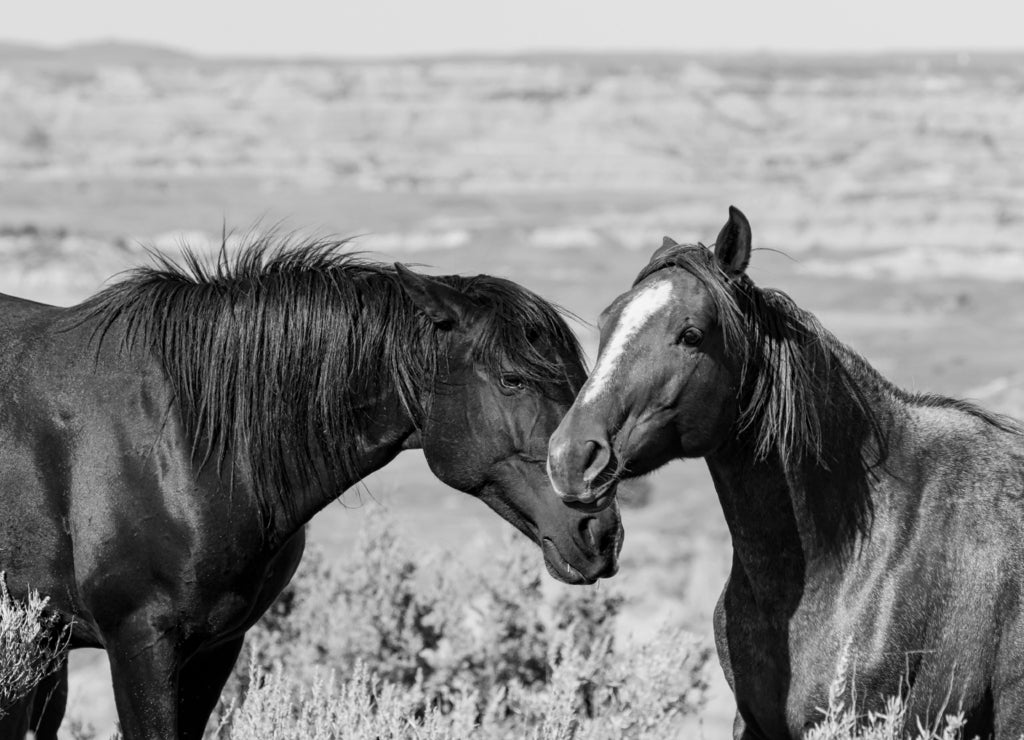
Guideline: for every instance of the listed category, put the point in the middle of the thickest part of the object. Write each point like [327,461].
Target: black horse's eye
[691,336]
[512,382]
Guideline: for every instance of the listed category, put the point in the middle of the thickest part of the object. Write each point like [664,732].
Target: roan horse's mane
[274,351]
[805,397]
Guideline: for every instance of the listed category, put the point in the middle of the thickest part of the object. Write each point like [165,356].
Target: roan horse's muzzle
[581,464]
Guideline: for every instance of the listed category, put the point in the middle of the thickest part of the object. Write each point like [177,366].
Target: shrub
[387,643]
[363,707]
[32,644]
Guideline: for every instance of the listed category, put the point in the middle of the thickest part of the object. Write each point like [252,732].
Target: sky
[413,27]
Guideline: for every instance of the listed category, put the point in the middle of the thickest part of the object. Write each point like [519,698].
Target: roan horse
[861,515]
[165,441]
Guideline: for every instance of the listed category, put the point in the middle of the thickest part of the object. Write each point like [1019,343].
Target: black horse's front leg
[144,665]
[14,723]
[51,698]
[41,711]
[200,683]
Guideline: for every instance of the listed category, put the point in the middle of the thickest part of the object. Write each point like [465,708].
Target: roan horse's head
[665,384]
[510,373]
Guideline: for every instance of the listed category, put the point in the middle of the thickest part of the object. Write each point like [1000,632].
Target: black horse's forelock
[518,331]
[273,349]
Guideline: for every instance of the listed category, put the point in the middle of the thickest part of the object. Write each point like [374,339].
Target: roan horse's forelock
[272,349]
[800,396]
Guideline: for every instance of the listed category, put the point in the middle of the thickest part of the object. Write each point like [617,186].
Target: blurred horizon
[129,49]
[396,28]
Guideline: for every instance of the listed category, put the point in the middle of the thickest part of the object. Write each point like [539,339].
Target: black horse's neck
[390,429]
[295,371]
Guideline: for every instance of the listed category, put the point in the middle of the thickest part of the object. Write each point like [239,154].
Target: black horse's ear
[442,304]
[732,247]
[667,243]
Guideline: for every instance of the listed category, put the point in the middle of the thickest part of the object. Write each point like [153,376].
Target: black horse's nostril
[596,456]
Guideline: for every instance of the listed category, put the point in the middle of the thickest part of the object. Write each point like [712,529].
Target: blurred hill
[90,53]
[917,150]
[901,165]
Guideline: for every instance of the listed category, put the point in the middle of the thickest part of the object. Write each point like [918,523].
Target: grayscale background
[878,146]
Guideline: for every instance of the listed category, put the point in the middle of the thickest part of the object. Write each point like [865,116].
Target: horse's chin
[560,568]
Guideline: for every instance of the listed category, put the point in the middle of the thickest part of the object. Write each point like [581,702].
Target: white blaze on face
[637,313]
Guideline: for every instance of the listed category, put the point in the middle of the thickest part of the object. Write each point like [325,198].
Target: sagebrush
[33,644]
[395,643]
[391,643]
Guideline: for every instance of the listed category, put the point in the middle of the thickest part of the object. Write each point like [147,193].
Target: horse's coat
[164,443]
[860,514]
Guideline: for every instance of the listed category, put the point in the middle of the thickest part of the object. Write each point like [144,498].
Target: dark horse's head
[666,383]
[510,372]
[315,366]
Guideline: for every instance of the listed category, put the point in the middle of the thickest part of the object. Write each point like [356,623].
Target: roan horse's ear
[667,243]
[732,247]
[444,305]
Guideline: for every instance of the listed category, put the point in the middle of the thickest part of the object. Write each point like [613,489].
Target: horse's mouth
[601,491]
[604,499]
[559,567]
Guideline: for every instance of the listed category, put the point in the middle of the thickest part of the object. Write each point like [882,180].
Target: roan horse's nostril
[589,530]
[596,456]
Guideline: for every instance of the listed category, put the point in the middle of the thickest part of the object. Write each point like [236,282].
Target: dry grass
[842,721]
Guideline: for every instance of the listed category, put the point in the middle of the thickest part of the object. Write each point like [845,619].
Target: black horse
[861,515]
[165,442]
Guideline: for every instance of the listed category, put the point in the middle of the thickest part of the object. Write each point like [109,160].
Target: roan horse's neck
[811,511]
[757,502]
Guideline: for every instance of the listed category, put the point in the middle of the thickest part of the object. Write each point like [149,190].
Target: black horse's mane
[806,397]
[275,351]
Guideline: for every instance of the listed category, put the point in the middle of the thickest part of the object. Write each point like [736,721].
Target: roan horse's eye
[691,336]
[512,382]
